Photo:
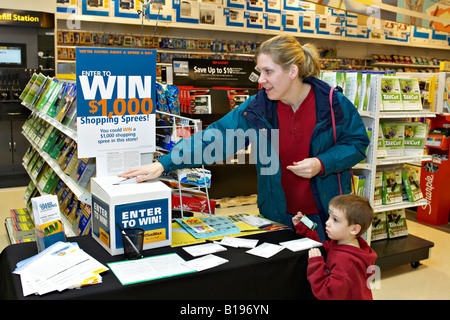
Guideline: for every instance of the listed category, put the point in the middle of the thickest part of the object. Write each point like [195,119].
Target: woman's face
[273,78]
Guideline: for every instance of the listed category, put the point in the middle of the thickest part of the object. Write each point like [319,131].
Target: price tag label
[115,100]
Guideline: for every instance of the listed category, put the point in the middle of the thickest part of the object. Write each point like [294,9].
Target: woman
[293,113]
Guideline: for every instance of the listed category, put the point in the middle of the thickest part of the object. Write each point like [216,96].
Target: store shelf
[227,29]
[82,194]
[401,65]
[399,251]
[407,249]
[402,159]
[406,114]
[399,205]
[55,123]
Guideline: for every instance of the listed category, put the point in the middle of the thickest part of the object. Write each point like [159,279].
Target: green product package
[28,86]
[410,89]
[393,134]
[392,186]
[414,138]
[52,85]
[34,89]
[411,183]
[379,227]
[396,223]
[51,140]
[391,98]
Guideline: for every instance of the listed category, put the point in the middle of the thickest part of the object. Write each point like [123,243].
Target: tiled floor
[429,281]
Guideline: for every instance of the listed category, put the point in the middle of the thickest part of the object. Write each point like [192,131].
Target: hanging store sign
[19,18]
[115,100]
[214,73]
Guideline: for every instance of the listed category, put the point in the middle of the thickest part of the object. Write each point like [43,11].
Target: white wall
[30,5]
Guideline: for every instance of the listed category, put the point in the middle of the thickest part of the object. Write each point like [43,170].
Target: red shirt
[344,273]
[295,130]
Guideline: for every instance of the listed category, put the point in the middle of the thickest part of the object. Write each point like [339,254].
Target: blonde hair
[286,51]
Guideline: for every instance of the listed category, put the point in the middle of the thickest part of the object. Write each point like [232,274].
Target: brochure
[198,225]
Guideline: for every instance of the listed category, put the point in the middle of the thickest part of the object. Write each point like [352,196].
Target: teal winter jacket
[255,121]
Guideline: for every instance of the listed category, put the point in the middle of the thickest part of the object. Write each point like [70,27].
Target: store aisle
[430,281]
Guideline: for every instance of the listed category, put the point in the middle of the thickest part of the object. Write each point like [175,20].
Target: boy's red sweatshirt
[344,274]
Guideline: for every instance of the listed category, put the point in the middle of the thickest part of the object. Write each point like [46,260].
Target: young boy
[343,276]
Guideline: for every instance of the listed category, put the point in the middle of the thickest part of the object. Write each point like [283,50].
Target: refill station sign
[115,100]
[145,205]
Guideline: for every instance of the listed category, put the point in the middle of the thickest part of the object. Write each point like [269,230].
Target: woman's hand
[307,168]
[145,172]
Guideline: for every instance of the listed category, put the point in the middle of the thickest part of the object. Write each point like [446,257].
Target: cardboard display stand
[144,205]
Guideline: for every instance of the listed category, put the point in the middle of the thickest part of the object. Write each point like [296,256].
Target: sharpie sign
[115,101]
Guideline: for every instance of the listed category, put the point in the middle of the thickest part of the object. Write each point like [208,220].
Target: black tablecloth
[245,276]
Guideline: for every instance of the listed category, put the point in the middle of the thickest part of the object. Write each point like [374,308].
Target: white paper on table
[256,221]
[29,284]
[266,250]
[239,242]
[203,249]
[300,244]
[205,262]
[57,269]
[145,269]
[48,251]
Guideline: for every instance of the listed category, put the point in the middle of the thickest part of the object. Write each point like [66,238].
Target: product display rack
[83,194]
[177,121]
[405,249]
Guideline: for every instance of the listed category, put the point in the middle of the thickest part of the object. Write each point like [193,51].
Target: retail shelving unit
[181,30]
[406,249]
[70,181]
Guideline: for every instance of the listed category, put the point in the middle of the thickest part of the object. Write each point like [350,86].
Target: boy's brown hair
[356,208]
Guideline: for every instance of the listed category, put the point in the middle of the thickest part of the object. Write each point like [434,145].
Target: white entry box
[145,205]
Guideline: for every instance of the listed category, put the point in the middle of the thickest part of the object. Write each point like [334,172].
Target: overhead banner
[115,100]
[214,73]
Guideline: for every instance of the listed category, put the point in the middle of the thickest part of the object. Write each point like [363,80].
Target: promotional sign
[214,73]
[130,205]
[115,100]
[433,175]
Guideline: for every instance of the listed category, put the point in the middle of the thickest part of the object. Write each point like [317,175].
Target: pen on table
[129,240]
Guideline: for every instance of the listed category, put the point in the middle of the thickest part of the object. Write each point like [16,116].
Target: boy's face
[337,226]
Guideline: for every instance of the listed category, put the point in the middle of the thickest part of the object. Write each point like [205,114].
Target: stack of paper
[61,266]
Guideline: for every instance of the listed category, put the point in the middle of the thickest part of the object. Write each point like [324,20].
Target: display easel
[194,125]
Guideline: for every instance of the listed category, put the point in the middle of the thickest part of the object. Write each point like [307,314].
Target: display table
[245,276]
